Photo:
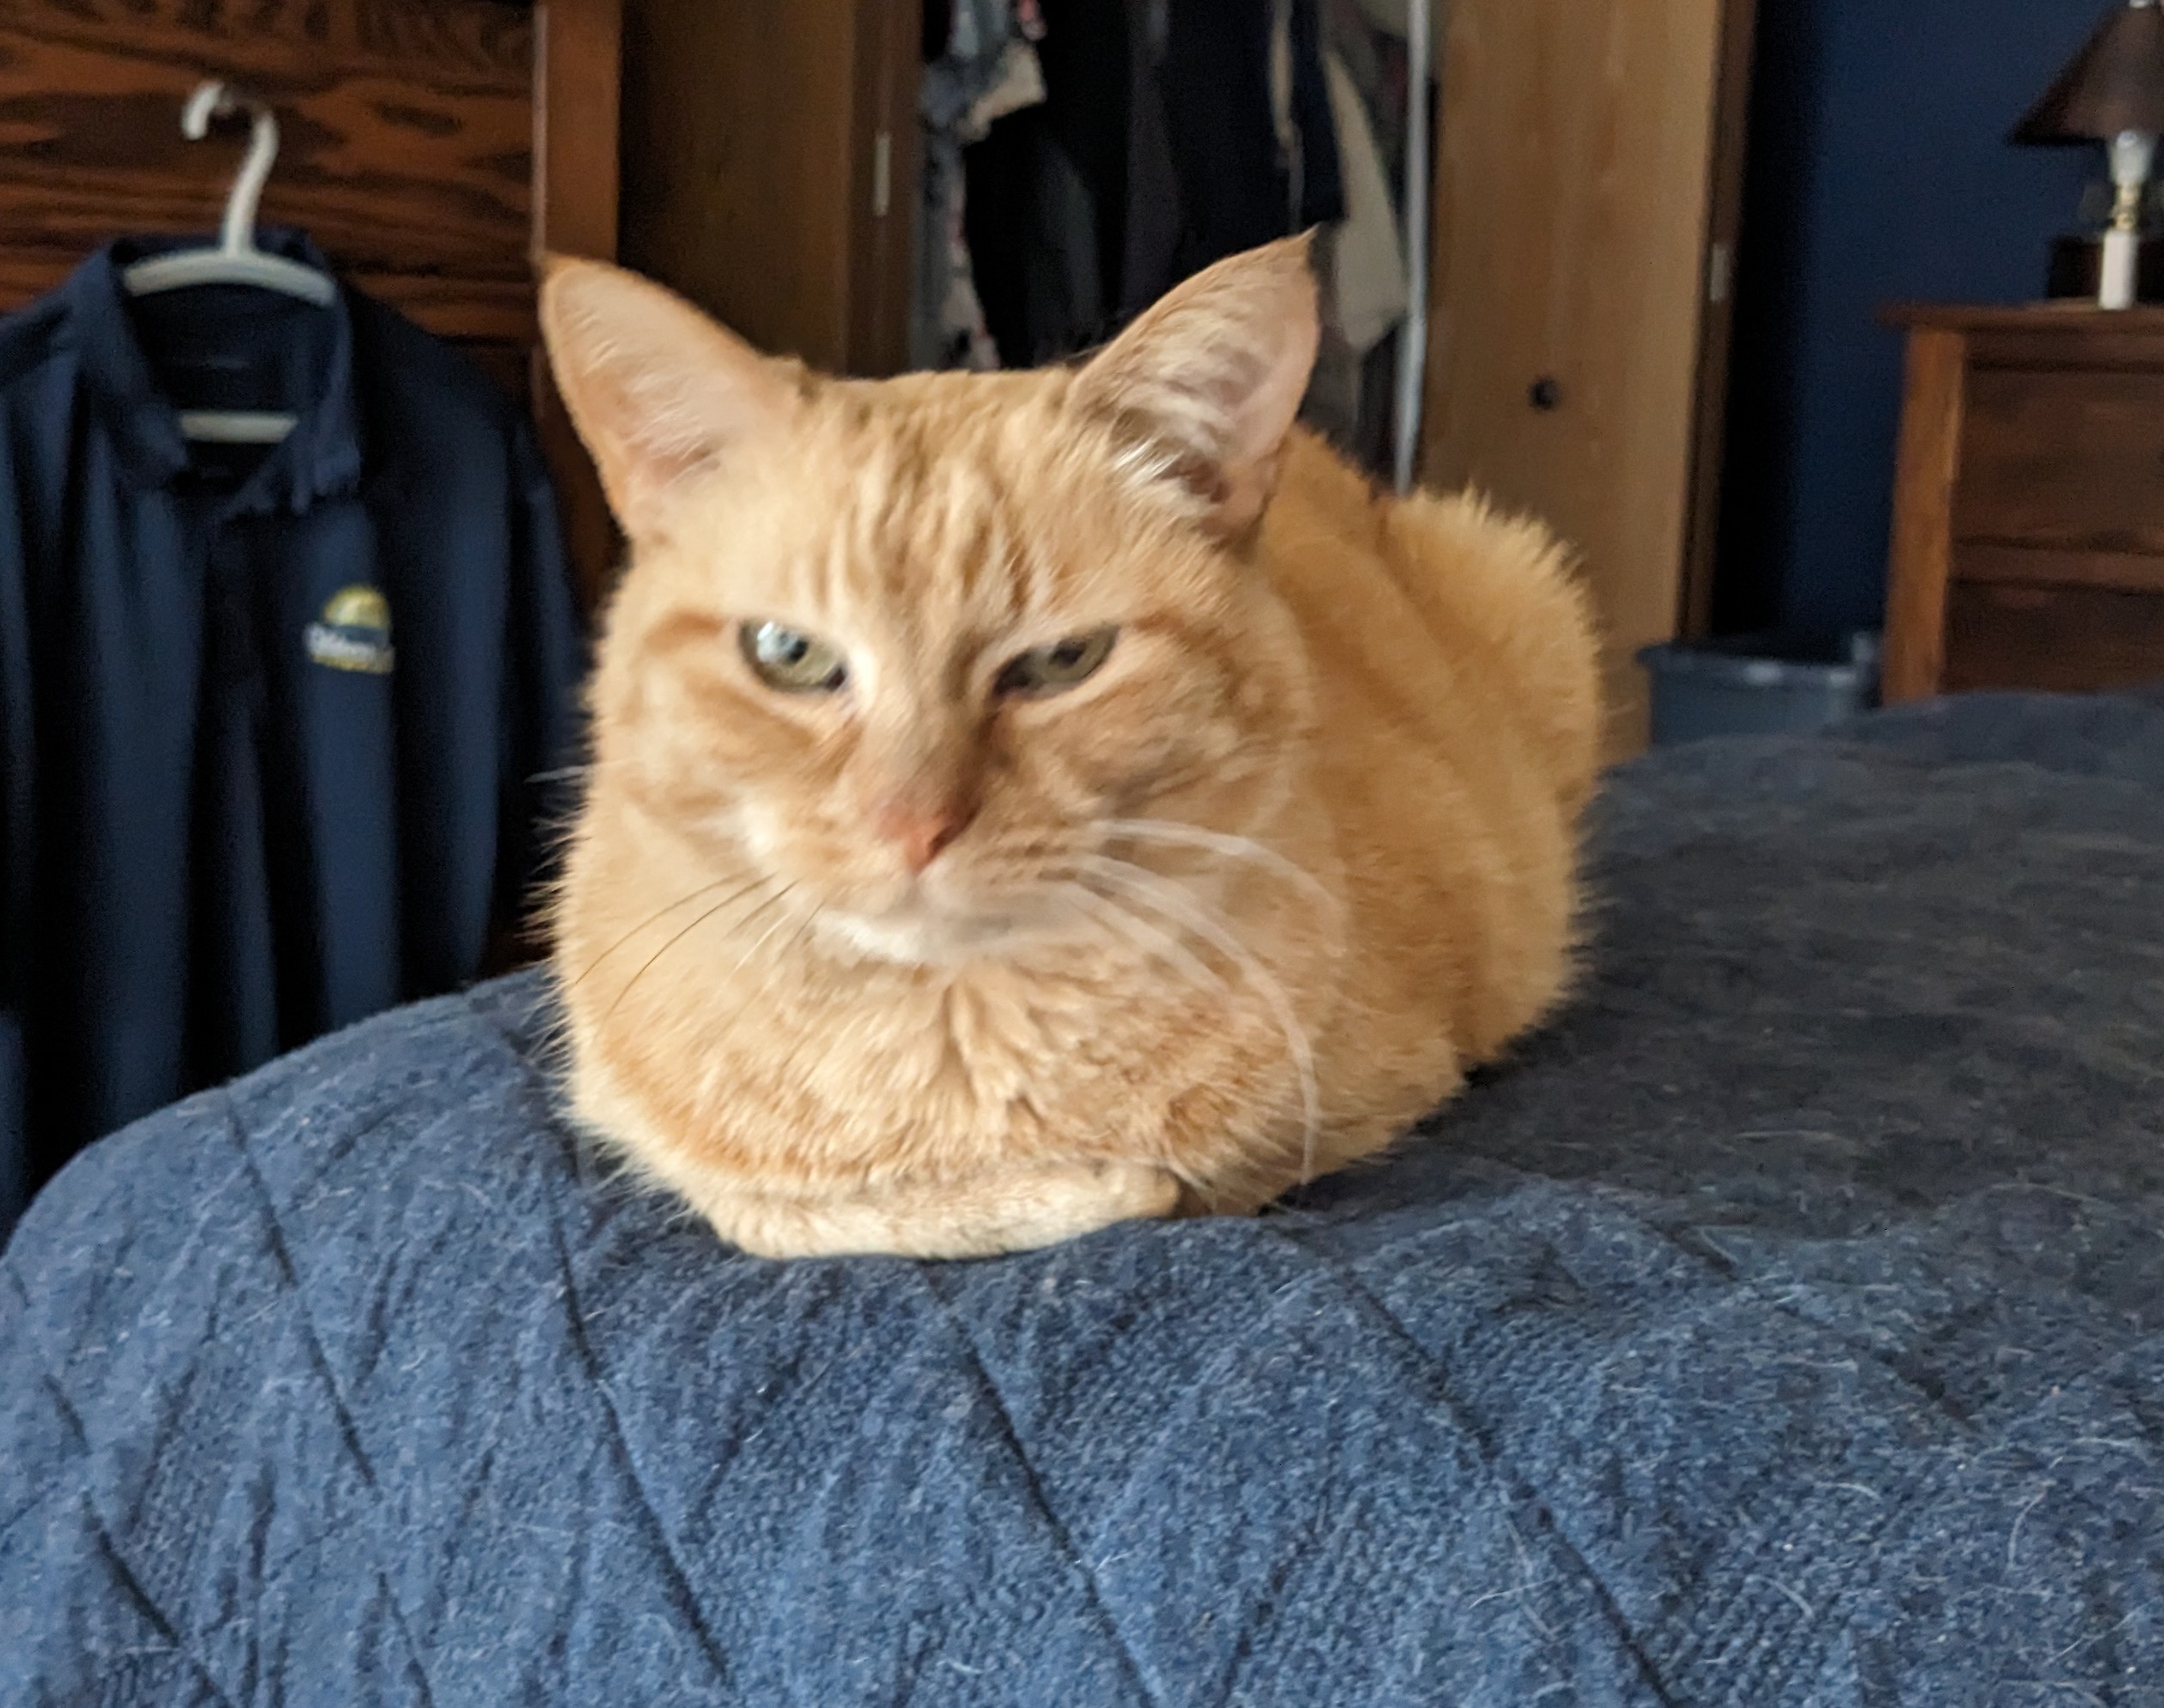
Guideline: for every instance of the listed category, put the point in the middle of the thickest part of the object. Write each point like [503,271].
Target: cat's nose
[921,829]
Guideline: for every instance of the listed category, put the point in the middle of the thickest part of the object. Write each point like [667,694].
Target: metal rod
[1412,346]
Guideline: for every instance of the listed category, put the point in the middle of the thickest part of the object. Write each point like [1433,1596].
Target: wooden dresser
[2029,509]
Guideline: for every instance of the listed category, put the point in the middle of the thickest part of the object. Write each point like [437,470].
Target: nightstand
[2029,503]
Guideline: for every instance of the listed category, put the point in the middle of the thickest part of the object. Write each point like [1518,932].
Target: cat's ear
[1207,383]
[657,391]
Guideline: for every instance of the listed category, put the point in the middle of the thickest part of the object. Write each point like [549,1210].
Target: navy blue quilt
[1784,1326]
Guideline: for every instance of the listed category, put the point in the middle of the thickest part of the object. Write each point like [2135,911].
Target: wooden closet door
[1588,185]
[769,167]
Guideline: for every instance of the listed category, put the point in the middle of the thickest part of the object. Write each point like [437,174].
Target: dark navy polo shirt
[274,723]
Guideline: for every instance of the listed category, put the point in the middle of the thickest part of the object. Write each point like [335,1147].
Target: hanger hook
[215,100]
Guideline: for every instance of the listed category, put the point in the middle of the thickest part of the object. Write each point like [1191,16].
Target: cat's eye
[791,660]
[1052,669]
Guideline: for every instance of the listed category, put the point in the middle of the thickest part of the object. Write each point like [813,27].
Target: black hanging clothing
[1150,239]
[1072,210]
[1137,171]
[1034,225]
[1236,186]
[271,720]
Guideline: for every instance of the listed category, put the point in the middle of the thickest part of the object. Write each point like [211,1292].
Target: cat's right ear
[1205,386]
[658,392]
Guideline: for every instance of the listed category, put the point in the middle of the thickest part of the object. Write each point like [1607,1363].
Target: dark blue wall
[1879,171]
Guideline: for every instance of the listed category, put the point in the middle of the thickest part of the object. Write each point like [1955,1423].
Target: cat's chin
[919,935]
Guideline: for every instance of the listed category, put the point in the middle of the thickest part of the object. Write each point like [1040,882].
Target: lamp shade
[2115,83]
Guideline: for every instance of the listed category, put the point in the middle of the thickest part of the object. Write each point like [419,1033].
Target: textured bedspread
[1785,1327]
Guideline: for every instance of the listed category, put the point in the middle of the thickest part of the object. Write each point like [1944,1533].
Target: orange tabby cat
[1029,801]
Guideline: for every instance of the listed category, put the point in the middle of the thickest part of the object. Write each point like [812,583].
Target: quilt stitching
[1626,1636]
[347,1429]
[679,1579]
[1061,1537]
[44,1369]
[1252,1627]
[146,1606]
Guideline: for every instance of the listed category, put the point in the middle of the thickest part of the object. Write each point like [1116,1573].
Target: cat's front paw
[1006,1210]
[1044,1206]
[1146,1194]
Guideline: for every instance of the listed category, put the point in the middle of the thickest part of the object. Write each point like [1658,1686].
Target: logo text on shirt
[354,632]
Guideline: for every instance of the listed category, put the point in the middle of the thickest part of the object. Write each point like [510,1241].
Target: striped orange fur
[942,955]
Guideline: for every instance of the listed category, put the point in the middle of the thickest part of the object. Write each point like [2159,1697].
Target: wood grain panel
[738,163]
[577,125]
[407,126]
[2064,459]
[577,92]
[432,148]
[1572,196]
[1921,560]
[2073,318]
[2072,348]
[2061,639]
[450,307]
[2049,334]
[881,227]
[2025,566]
[457,38]
[751,139]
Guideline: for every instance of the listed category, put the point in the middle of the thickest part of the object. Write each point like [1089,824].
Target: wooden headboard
[432,147]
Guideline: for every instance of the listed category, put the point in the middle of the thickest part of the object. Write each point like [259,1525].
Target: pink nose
[920,831]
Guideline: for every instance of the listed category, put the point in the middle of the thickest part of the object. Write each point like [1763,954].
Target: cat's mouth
[922,928]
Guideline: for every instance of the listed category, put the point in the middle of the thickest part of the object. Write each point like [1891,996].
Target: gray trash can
[1758,685]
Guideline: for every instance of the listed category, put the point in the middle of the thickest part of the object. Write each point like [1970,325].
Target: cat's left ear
[658,392]
[1205,385]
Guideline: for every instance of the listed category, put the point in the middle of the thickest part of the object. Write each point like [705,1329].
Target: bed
[1785,1325]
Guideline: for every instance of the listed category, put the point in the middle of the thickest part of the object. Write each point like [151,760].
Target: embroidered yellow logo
[354,632]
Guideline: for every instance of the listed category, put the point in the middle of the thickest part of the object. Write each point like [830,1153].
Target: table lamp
[2112,92]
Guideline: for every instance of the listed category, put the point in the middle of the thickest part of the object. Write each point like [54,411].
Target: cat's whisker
[647,966]
[1243,848]
[803,932]
[767,935]
[1144,935]
[1184,909]
[656,918]
[1212,1201]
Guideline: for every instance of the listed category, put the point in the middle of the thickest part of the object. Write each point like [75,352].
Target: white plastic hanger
[236,260]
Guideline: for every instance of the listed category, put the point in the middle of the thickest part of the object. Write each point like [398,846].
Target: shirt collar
[321,457]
